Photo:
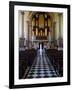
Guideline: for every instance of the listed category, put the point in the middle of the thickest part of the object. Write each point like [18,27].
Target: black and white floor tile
[42,67]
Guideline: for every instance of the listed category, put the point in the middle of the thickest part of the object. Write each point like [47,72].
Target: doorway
[41,45]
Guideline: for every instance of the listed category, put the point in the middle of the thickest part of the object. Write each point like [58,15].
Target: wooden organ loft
[40,28]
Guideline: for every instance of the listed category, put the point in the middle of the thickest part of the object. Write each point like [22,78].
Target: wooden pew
[26,59]
[56,58]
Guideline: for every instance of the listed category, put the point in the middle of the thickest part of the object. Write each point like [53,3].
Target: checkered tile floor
[41,67]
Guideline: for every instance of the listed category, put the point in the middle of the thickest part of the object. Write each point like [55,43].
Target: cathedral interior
[40,44]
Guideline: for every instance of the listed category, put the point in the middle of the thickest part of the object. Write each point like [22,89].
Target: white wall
[4,45]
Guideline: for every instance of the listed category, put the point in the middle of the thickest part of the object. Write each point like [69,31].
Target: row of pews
[56,58]
[26,58]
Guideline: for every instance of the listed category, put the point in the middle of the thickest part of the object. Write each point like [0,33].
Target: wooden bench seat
[56,58]
[26,59]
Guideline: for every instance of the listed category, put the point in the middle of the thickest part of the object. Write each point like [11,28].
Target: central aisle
[41,67]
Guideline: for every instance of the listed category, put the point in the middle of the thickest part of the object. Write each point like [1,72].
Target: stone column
[22,30]
[22,24]
[59,25]
[28,34]
[49,37]
[60,30]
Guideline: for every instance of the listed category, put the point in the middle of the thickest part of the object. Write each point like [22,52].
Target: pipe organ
[40,28]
